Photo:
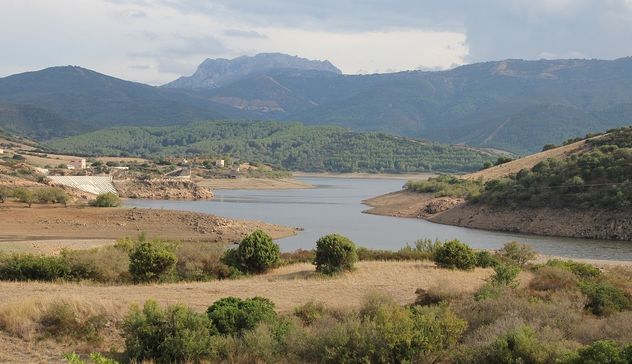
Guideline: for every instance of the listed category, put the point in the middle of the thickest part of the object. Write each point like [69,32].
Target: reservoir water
[335,206]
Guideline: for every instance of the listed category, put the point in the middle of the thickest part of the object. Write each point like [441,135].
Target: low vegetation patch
[107,199]
[29,196]
[447,186]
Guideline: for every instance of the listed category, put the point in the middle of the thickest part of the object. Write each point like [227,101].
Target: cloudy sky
[155,41]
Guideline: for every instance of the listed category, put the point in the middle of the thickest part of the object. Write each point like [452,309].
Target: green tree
[25,195]
[454,255]
[256,253]
[334,254]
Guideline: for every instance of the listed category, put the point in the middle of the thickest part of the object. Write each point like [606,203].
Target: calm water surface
[335,206]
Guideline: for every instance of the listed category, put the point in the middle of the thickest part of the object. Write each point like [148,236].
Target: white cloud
[169,38]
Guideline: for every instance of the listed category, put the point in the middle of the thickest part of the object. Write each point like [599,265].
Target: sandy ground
[60,226]
[252,183]
[399,204]
[406,177]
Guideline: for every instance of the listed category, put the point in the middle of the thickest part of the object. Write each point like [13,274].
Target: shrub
[489,290]
[600,352]
[256,253]
[604,298]
[310,312]
[454,255]
[485,259]
[505,274]
[516,253]
[108,199]
[550,278]
[334,254]
[26,267]
[232,315]
[150,261]
[4,194]
[174,335]
[581,270]
[518,346]
[59,320]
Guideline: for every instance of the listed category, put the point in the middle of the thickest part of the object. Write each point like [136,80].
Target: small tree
[149,261]
[108,199]
[516,253]
[334,253]
[455,255]
[24,195]
[256,253]
[4,194]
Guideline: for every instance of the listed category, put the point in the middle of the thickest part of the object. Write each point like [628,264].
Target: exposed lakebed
[335,206]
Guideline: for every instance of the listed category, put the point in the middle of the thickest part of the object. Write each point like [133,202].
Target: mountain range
[514,105]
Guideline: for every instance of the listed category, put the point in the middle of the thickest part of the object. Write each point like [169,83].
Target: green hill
[598,176]
[290,145]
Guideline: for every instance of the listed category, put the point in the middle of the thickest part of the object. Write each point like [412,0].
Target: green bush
[505,274]
[27,267]
[445,185]
[310,312]
[108,199]
[232,315]
[485,259]
[151,261]
[604,298]
[601,352]
[334,254]
[581,270]
[516,253]
[256,253]
[173,335]
[454,255]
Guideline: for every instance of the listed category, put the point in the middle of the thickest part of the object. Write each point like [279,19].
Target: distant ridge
[213,73]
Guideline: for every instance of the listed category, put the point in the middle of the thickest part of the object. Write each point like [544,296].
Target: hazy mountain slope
[472,104]
[213,73]
[38,123]
[95,99]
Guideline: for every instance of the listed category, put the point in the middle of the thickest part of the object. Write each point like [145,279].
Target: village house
[220,163]
[77,164]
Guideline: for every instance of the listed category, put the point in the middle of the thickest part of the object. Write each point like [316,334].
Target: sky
[156,41]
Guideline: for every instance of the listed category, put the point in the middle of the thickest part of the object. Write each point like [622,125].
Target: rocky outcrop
[162,189]
[577,223]
[213,73]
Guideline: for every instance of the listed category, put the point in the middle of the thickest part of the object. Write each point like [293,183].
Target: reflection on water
[335,206]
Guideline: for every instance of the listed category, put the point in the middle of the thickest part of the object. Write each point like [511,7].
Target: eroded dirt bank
[575,223]
[19,223]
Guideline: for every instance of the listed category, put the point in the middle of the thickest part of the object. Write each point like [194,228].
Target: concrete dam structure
[90,184]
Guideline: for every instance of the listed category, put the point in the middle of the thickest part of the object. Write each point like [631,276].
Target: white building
[77,164]
[220,163]
[1,151]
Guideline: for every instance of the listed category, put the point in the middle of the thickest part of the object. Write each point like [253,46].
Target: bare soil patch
[51,222]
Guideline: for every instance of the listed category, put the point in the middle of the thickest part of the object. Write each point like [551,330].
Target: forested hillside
[597,177]
[292,146]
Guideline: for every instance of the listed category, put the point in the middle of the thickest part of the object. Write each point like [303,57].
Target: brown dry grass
[528,162]
[287,287]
